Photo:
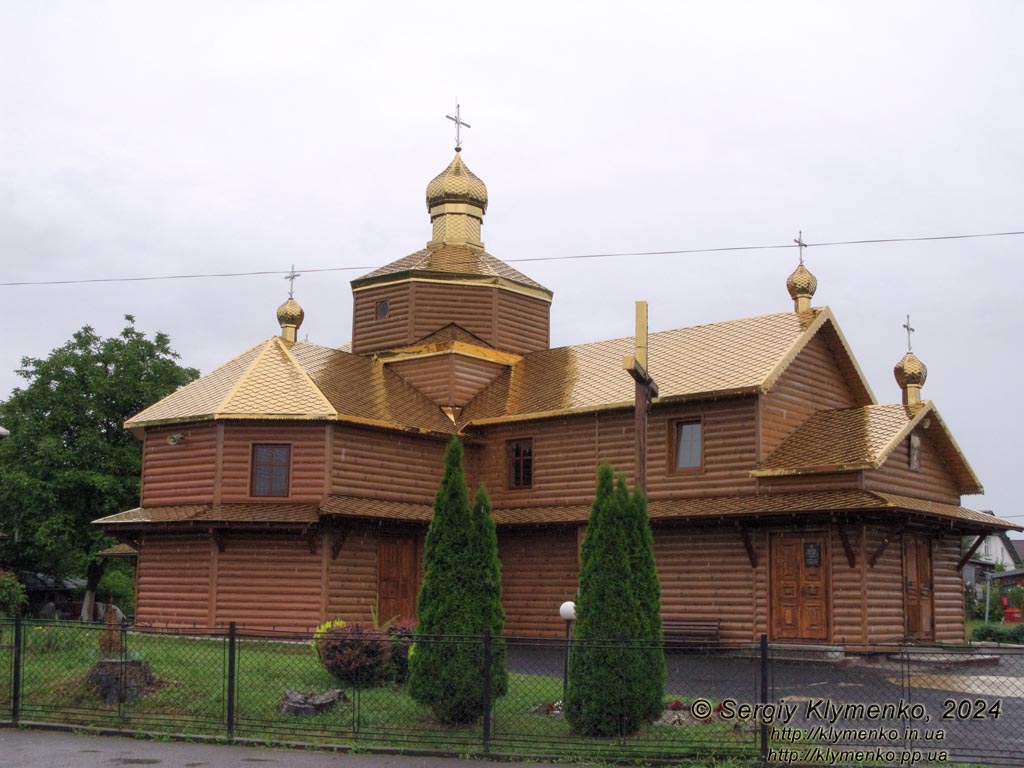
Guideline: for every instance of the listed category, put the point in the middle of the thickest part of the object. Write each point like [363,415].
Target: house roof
[444,261]
[118,550]
[721,359]
[853,439]
[214,513]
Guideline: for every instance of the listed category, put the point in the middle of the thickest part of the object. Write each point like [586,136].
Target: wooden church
[295,482]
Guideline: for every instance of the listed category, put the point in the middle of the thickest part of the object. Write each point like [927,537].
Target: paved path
[58,749]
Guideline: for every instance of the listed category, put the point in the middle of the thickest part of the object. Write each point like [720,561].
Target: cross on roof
[290,277]
[910,330]
[458,126]
[800,242]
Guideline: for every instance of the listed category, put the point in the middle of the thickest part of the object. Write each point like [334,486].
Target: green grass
[191,699]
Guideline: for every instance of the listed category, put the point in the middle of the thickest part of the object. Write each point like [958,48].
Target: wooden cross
[290,277]
[458,126]
[910,330]
[645,391]
[800,242]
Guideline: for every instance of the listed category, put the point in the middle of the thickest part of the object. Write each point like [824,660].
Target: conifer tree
[604,696]
[647,589]
[460,599]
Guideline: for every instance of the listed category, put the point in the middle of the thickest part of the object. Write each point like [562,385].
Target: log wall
[184,473]
[812,382]
[933,481]
[449,379]
[306,481]
[948,591]
[567,450]
[352,576]
[539,572]
[383,465]
[173,580]
[504,319]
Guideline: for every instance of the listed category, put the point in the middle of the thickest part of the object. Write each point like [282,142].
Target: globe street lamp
[568,613]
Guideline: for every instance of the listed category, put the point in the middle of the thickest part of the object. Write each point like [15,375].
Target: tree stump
[117,681]
[296,703]
[110,636]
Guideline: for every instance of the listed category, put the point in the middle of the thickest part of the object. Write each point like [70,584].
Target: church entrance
[799,578]
[918,588]
[398,571]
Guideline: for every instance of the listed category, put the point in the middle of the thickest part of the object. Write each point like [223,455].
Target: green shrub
[356,655]
[118,587]
[12,594]
[400,635]
[322,630]
[460,600]
[1016,596]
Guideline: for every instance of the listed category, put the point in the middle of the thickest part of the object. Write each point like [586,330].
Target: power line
[676,252]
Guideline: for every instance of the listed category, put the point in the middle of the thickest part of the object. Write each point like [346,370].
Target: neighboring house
[996,550]
[295,482]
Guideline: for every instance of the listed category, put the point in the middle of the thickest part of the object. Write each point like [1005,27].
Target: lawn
[191,697]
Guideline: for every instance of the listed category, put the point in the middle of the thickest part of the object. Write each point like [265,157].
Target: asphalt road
[57,749]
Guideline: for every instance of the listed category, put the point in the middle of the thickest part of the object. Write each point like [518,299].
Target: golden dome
[290,313]
[457,184]
[910,371]
[801,283]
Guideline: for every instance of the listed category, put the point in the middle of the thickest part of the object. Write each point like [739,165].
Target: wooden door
[918,588]
[398,571]
[799,587]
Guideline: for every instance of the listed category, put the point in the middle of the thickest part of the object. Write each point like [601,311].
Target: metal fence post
[487,691]
[232,650]
[764,697]
[16,676]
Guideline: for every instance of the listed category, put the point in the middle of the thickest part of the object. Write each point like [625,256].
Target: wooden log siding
[449,379]
[567,450]
[706,574]
[306,480]
[848,600]
[932,482]
[811,383]
[883,586]
[268,581]
[173,581]
[813,482]
[504,319]
[948,593]
[389,466]
[184,473]
[370,334]
[539,572]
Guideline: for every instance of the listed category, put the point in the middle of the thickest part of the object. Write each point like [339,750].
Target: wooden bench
[691,632]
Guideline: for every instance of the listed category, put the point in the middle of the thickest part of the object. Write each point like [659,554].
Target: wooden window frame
[510,461]
[381,304]
[673,448]
[254,449]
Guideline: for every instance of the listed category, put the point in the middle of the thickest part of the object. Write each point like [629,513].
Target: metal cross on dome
[458,126]
[800,241]
[290,277]
[910,330]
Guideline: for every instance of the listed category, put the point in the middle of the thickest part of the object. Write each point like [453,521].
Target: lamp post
[568,613]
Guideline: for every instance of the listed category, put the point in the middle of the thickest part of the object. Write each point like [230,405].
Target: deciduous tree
[69,459]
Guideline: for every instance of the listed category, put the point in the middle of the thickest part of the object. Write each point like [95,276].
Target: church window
[914,453]
[382,311]
[271,466]
[520,463]
[688,445]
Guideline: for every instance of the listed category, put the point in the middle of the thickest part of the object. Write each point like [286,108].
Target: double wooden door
[799,578]
[398,576]
[918,588]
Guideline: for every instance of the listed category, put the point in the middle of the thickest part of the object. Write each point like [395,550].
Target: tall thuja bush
[605,695]
[459,600]
[647,589]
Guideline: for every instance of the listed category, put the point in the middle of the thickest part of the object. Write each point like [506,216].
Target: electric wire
[571,257]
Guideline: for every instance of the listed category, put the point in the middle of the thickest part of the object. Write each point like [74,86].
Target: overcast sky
[143,139]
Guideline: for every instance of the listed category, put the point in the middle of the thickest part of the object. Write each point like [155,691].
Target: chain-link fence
[767,703]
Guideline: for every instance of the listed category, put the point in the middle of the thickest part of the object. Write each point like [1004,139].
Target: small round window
[383,310]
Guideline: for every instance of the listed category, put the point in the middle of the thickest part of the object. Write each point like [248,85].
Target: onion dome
[801,284]
[910,374]
[910,371]
[457,184]
[290,317]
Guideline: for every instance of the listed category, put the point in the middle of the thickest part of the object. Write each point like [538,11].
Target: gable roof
[855,439]
[736,357]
